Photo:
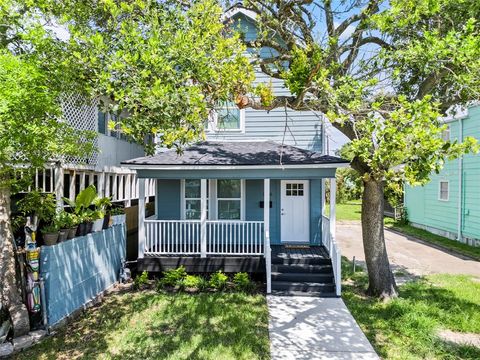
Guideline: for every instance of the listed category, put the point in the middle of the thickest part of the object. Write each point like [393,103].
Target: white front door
[295,214]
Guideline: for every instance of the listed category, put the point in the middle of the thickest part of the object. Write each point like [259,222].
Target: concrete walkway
[406,254]
[309,328]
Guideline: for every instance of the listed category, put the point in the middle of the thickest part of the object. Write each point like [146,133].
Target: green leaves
[164,65]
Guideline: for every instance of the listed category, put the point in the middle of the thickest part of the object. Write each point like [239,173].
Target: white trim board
[235,167]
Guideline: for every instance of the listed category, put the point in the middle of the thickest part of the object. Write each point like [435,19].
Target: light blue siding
[298,128]
[77,270]
[169,200]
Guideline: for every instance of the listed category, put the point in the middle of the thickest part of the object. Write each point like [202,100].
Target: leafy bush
[140,280]
[192,281]
[242,281]
[174,277]
[218,280]
[36,203]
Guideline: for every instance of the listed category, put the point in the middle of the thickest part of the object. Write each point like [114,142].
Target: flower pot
[50,238]
[106,222]
[72,232]
[63,234]
[89,226]
[82,229]
[97,225]
[118,219]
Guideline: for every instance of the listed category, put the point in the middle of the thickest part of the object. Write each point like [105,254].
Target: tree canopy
[384,72]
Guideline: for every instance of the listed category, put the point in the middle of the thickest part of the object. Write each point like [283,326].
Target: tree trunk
[10,293]
[380,276]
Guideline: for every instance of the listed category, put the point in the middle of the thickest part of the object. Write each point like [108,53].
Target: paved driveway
[311,328]
[406,253]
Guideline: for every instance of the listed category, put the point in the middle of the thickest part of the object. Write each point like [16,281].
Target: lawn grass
[407,327]
[424,235]
[148,325]
[348,211]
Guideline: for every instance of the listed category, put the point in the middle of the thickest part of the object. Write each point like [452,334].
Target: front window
[102,122]
[229,199]
[192,203]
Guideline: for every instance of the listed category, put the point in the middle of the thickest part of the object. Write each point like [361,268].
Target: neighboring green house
[449,205]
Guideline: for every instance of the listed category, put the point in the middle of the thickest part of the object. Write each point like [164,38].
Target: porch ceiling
[236,155]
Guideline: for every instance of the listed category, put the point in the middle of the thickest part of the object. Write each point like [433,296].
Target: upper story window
[227,117]
[443,190]
[102,122]
[446,134]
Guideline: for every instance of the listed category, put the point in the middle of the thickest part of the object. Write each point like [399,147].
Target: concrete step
[315,269]
[303,286]
[326,278]
[303,293]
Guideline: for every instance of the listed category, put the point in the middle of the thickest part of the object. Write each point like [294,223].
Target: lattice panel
[83,116]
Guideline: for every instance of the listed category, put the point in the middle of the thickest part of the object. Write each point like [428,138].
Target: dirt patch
[460,338]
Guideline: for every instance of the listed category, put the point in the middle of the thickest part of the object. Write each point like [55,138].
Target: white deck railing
[235,237]
[223,237]
[333,250]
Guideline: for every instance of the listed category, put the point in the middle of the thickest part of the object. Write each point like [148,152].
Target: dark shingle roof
[239,153]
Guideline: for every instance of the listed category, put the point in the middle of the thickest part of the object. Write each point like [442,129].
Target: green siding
[423,204]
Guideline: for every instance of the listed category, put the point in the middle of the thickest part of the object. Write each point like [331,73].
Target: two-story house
[249,198]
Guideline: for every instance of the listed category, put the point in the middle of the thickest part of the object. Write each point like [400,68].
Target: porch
[228,206]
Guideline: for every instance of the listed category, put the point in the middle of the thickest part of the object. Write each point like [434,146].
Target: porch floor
[299,252]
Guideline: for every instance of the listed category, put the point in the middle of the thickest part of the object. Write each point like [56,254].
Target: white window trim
[183,200]
[213,123]
[213,199]
[440,190]
[242,199]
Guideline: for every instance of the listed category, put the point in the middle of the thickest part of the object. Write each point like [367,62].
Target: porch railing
[223,237]
[333,250]
[235,237]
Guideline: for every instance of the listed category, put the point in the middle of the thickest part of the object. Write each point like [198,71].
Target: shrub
[218,280]
[140,280]
[192,281]
[242,281]
[174,277]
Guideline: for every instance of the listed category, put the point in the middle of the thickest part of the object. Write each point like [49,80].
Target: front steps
[302,273]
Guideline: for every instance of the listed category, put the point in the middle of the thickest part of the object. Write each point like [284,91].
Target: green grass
[148,325]
[406,327]
[351,210]
[424,235]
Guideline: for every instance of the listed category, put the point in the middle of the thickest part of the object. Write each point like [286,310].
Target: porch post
[333,192]
[58,186]
[141,218]
[203,218]
[266,231]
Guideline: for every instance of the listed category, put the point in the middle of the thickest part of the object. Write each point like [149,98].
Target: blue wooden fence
[77,270]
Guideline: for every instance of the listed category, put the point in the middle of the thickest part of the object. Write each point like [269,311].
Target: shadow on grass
[407,327]
[159,326]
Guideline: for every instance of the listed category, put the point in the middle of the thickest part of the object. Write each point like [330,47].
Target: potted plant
[118,215]
[102,205]
[81,206]
[98,218]
[75,220]
[38,204]
[50,234]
